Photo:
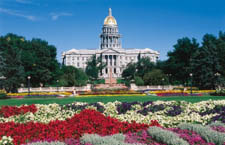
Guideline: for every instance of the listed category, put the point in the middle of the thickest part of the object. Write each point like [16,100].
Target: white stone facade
[111,51]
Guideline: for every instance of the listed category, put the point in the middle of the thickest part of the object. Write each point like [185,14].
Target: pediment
[110,50]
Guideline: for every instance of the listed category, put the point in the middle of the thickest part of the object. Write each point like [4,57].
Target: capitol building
[110,50]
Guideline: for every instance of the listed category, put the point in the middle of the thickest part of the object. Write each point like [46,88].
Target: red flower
[88,121]
[7,111]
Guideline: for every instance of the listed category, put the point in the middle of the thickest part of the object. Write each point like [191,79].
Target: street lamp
[28,85]
[191,82]
[163,83]
[217,78]
[57,85]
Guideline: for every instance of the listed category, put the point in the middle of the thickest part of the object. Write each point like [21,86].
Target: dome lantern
[110,20]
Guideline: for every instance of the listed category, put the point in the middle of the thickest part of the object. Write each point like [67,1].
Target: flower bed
[109,92]
[3,94]
[88,121]
[167,113]
[7,111]
[111,95]
[114,123]
[180,92]
[39,95]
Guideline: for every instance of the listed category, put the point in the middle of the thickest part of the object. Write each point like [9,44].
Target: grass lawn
[106,99]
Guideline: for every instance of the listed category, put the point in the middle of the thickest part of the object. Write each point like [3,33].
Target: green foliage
[129,72]
[165,136]
[136,71]
[217,123]
[39,61]
[207,63]
[94,67]
[155,77]
[138,81]
[179,61]
[72,76]
[99,81]
[218,93]
[11,48]
[2,62]
[3,95]
[2,68]
[205,132]
[94,139]
[143,66]
[22,58]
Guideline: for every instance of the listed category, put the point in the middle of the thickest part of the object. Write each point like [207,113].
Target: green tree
[206,63]
[138,81]
[39,61]
[155,77]
[94,67]
[180,59]
[80,77]
[10,46]
[221,55]
[143,66]
[129,72]
[72,76]
[2,68]
[68,77]
[2,63]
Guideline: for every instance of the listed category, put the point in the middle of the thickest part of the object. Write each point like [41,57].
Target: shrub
[47,143]
[3,94]
[138,81]
[205,132]
[95,139]
[165,136]
[217,123]
[218,93]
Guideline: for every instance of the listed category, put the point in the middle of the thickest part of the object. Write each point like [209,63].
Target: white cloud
[18,14]
[55,16]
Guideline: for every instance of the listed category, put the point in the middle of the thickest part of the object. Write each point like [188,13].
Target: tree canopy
[94,67]
[179,60]
[23,58]
[71,76]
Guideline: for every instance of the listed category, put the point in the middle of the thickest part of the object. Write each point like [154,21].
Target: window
[106,70]
[78,65]
[114,70]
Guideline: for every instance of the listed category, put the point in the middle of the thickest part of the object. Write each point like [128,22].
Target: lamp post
[28,85]
[57,85]
[163,83]
[217,79]
[191,82]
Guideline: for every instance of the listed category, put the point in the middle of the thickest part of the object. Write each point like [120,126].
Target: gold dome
[110,20]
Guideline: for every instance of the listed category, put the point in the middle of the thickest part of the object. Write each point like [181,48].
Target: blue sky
[155,24]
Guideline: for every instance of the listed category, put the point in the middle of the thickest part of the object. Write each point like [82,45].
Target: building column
[108,61]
